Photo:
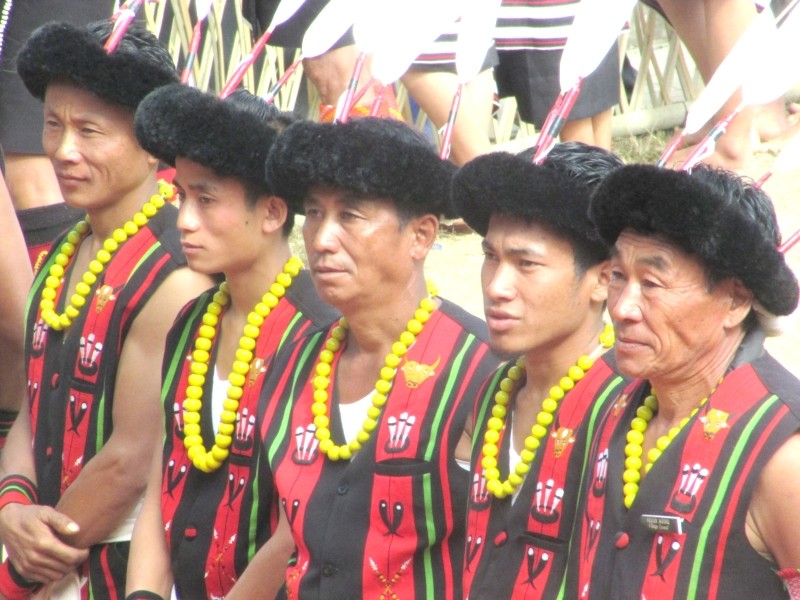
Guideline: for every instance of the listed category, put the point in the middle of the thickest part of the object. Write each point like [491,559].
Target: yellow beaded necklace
[211,460]
[383,385]
[68,248]
[635,440]
[496,423]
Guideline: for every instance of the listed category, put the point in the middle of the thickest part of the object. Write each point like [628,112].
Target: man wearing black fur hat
[545,277]
[700,477]
[78,454]
[205,495]
[365,443]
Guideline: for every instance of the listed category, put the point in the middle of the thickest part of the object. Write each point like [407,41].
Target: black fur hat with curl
[231,136]
[510,185]
[369,156]
[58,50]
[726,223]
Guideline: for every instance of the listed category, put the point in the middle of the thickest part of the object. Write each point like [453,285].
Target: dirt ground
[455,263]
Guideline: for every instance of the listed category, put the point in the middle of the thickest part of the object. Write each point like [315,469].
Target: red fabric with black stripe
[519,549]
[391,520]
[215,522]
[72,374]
[706,477]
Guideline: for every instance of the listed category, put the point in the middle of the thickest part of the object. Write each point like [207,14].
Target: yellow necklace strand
[68,248]
[383,385]
[635,440]
[210,460]
[497,422]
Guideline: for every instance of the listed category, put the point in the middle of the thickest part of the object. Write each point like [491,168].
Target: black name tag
[663,523]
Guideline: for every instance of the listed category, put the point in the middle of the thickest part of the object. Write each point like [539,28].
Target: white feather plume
[329,25]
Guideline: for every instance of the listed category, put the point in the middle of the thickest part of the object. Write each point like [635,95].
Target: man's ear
[275,212]
[424,229]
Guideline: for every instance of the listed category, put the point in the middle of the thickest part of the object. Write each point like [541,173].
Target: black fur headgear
[510,185]
[374,157]
[713,215]
[231,136]
[57,50]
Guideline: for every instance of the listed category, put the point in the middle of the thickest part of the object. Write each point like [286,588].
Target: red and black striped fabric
[704,480]
[72,373]
[215,522]
[390,520]
[519,549]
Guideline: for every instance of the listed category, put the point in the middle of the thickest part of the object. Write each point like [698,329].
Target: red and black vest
[390,521]
[72,373]
[519,549]
[684,536]
[215,522]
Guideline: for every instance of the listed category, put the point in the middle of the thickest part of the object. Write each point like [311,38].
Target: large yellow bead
[545,419]
[130,228]
[387,374]
[491,436]
[196,380]
[631,476]
[323,369]
[633,463]
[320,396]
[550,405]
[244,356]
[514,479]
[399,348]
[489,462]
[192,405]
[575,373]
[248,343]
[527,455]
[378,399]
[241,368]
[639,424]
[495,424]
[633,450]
[227,417]
[235,393]
[383,387]
[226,428]
[532,444]
[231,405]
[585,363]
[199,368]
[200,356]
[191,429]
[499,411]
[538,431]
[635,437]
[319,408]
[71,312]
[218,453]
[422,315]
[194,392]
[369,425]
[489,450]
[630,489]
[653,454]
[322,421]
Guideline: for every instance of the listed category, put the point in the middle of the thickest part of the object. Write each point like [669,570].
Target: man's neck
[545,366]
